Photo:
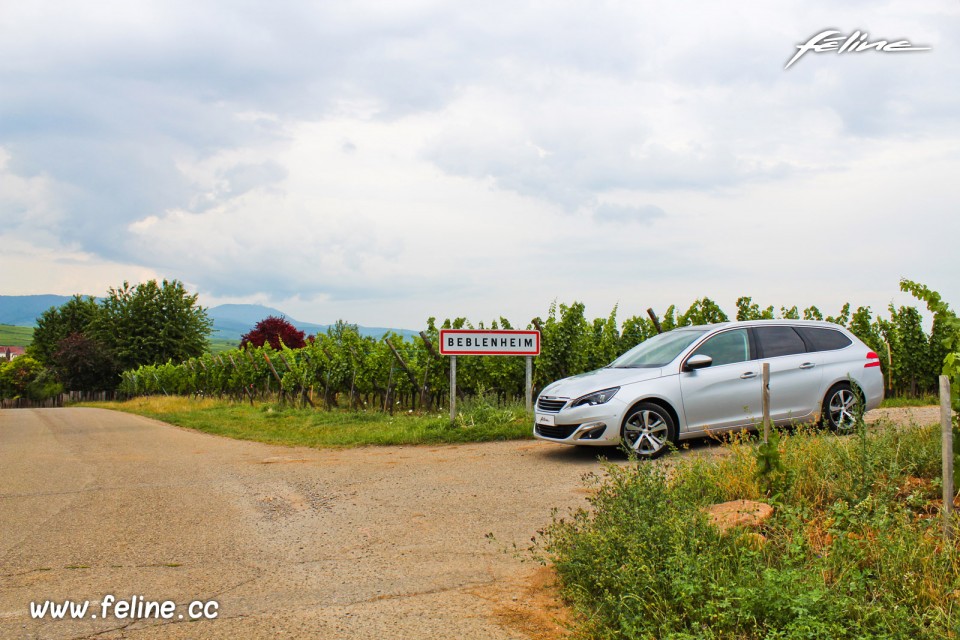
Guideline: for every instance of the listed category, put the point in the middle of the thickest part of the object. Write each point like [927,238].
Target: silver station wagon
[692,381]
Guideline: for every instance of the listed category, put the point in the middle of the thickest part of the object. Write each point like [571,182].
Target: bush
[854,549]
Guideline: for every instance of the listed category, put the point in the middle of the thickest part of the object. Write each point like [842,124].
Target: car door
[726,394]
[795,374]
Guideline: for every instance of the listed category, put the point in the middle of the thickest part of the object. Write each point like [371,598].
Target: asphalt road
[399,542]
[290,542]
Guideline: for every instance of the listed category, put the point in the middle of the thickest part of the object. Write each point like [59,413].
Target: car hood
[576,386]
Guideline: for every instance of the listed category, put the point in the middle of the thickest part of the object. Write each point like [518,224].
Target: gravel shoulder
[399,542]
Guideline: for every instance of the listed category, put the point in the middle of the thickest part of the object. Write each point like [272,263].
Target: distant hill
[230,321]
[22,311]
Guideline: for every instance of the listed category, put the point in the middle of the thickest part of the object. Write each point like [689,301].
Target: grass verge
[478,421]
[854,549]
[909,401]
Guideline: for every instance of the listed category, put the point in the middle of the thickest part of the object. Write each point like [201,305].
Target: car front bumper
[597,425]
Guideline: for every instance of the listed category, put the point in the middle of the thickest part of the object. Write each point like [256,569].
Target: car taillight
[873,360]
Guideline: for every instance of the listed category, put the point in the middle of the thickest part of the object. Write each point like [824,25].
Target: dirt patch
[905,416]
[739,513]
[530,603]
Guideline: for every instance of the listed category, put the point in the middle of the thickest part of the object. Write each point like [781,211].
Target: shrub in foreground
[854,549]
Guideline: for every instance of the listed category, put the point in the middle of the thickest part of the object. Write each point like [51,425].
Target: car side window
[779,341]
[726,348]
[823,339]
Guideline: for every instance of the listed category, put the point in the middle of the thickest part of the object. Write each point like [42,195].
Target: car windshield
[658,350]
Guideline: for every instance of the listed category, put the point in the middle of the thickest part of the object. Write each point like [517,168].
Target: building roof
[13,352]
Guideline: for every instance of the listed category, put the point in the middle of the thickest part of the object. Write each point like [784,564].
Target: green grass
[854,549]
[908,401]
[479,421]
[12,336]
[219,345]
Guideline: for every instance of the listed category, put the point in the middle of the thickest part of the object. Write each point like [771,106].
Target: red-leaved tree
[272,331]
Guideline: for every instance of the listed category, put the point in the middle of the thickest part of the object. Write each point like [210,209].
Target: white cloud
[387,162]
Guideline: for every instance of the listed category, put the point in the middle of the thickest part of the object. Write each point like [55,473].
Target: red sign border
[526,332]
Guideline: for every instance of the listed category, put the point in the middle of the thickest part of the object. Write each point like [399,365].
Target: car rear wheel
[648,430]
[842,408]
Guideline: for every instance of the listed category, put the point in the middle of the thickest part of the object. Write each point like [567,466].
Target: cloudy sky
[383,162]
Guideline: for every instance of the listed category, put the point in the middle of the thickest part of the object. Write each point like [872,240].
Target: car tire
[842,408]
[648,431]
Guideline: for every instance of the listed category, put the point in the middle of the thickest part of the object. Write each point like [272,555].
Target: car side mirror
[699,361]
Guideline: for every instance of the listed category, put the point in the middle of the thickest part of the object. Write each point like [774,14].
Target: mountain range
[230,321]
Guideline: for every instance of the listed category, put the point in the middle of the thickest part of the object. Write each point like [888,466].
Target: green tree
[26,377]
[812,313]
[843,318]
[83,363]
[564,343]
[948,334]
[747,309]
[914,349]
[635,330]
[606,341]
[152,323]
[703,311]
[56,323]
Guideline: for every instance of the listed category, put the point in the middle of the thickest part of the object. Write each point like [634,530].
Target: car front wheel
[648,430]
[842,408]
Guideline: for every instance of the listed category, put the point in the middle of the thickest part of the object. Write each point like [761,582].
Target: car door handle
[807,365]
[749,374]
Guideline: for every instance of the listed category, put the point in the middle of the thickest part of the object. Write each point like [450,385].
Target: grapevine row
[341,368]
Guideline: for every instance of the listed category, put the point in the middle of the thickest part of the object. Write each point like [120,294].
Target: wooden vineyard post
[406,369]
[656,320]
[425,399]
[946,430]
[387,400]
[765,400]
[273,370]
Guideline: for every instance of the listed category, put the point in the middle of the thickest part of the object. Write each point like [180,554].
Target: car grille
[551,405]
[560,431]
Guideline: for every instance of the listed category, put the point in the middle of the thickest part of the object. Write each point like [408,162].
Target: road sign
[479,342]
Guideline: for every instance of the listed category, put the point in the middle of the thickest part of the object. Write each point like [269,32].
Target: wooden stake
[765,400]
[656,320]
[946,430]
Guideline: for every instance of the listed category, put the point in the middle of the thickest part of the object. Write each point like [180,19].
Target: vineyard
[342,369]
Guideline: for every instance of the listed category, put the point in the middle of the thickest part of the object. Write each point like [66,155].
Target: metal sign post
[453,388]
[528,386]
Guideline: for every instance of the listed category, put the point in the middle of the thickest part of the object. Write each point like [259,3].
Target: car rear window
[822,339]
[779,341]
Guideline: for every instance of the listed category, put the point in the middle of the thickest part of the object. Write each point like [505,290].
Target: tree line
[341,368]
[153,339]
[86,344]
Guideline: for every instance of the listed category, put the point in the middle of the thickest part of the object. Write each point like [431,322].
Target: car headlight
[597,397]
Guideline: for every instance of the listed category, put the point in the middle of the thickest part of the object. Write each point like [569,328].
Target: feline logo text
[856,42]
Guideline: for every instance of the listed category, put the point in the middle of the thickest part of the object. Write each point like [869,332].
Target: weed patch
[853,550]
